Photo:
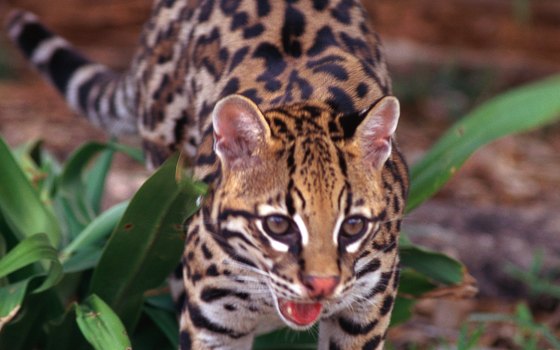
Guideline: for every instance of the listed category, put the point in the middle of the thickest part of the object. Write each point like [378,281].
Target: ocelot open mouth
[301,314]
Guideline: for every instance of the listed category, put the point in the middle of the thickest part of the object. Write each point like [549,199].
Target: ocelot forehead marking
[309,133]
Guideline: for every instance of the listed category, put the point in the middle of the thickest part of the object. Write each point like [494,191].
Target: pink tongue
[302,314]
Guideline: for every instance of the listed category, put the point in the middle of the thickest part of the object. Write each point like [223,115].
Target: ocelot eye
[277,225]
[354,226]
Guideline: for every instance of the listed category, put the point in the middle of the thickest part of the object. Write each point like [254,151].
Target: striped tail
[106,98]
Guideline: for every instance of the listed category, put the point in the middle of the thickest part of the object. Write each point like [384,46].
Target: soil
[447,56]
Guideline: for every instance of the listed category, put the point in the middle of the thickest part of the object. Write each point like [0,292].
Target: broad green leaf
[414,284]
[84,259]
[522,109]
[20,202]
[100,228]
[100,325]
[167,323]
[146,244]
[436,266]
[11,298]
[28,251]
[402,310]
[33,249]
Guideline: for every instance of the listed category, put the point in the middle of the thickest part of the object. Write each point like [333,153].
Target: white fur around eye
[276,245]
[236,224]
[352,248]
[266,209]
[336,231]
[302,229]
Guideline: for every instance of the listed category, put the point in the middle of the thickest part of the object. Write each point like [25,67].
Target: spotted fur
[284,108]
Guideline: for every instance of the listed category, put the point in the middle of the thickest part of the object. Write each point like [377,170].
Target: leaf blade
[100,325]
[152,224]
[519,110]
[33,249]
[21,204]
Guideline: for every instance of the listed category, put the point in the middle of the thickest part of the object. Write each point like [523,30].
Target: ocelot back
[284,108]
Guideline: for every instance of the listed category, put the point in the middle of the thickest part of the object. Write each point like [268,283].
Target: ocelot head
[301,200]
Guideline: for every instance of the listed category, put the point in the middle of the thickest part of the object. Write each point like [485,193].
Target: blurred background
[499,215]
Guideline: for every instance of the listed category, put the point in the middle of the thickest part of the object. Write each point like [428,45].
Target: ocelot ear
[240,129]
[374,133]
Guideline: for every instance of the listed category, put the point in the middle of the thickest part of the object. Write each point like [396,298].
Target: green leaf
[146,244]
[84,259]
[100,325]
[436,266]
[27,330]
[72,188]
[96,178]
[402,310]
[162,301]
[519,110]
[36,162]
[167,323]
[523,313]
[24,157]
[11,298]
[468,340]
[413,283]
[100,228]
[29,251]
[20,203]
[132,152]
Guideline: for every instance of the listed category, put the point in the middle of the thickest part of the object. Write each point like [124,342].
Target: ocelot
[284,108]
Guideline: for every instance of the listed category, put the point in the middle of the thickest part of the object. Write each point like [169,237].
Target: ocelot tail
[284,108]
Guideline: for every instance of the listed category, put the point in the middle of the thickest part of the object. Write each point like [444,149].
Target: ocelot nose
[320,286]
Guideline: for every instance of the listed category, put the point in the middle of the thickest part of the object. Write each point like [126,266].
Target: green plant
[66,268]
[526,333]
[535,278]
[529,334]
[467,340]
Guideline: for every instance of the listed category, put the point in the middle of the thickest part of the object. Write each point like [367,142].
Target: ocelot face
[301,200]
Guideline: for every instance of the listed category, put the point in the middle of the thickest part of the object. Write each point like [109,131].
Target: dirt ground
[447,56]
